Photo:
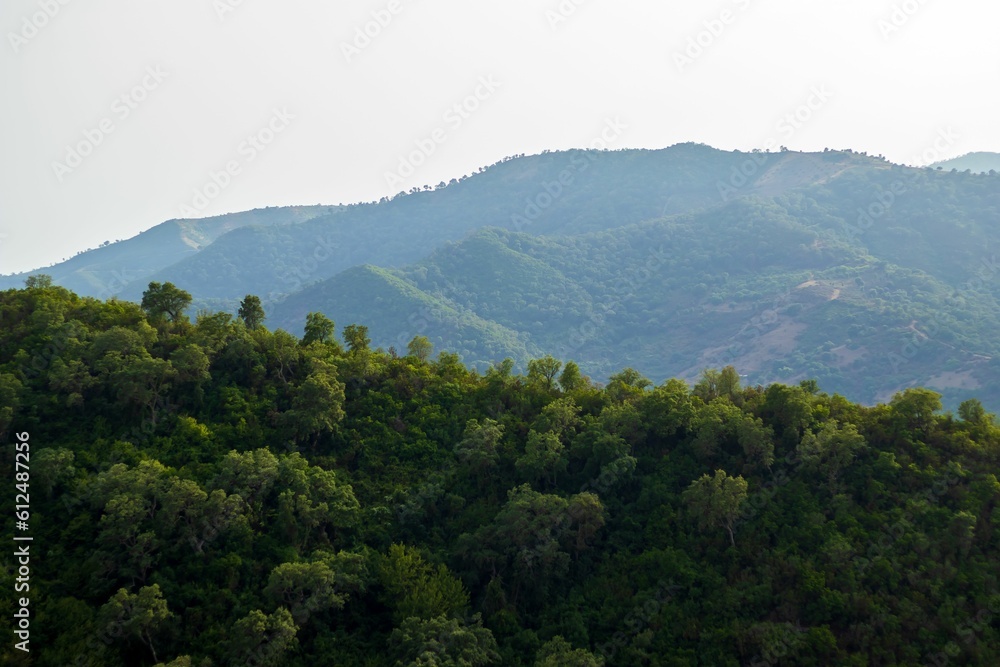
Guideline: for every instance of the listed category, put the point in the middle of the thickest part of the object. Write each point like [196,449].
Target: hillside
[868,276]
[981,163]
[109,270]
[757,284]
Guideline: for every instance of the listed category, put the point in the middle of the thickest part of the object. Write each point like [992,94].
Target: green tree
[251,311]
[477,450]
[558,652]
[543,371]
[420,347]
[714,384]
[262,639]
[38,281]
[317,406]
[165,300]
[831,450]
[716,501]
[588,515]
[443,642]
[561,417]
[543,457]
[304,589]
[627,385]
[571,379]
[356,337]
[319,329]
[417,589]
[312,500]
[139,615]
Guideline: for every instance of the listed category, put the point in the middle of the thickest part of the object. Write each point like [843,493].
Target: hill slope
[867,275]
[976,162]
[107,271]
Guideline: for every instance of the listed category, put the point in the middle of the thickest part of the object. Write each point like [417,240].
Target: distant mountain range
[865,275]
[979,163]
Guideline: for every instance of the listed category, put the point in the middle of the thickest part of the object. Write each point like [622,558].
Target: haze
[120,115]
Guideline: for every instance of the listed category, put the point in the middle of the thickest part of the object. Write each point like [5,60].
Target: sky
[118,115]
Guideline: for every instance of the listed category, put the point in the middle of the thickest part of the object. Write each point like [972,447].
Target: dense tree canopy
[210,494]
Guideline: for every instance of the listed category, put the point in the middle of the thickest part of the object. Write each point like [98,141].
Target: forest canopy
[207,492]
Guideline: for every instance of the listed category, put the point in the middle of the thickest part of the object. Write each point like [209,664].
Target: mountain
[837,266]
[674,296]
[979,163]
[107,271]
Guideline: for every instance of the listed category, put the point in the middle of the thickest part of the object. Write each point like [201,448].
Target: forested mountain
[976,162]
[107,271]
[868,276]
[212,493]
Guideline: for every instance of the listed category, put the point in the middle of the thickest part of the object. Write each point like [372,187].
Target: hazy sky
[117,113]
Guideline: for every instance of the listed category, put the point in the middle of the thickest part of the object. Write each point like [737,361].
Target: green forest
[207,492]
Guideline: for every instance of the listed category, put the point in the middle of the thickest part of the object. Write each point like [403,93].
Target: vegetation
[214,493]
[866,276]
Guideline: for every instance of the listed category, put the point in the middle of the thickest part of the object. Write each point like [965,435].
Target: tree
[443,642]
[560,417]
[165,300]
[571,378]
[136,614]
[716,501]
[714,384]
[38,281]
[304,589]
[543,457]
[831,450]
[251,311]
[311,500]
[543,371]
[587,513]
[262,639]
[416,588]
[356,337]
[477,450]
[560,653]
[420,347]
[972,412]
[317,406]
[319,329]
[914,410]
[191,364]
[249,474]
[144,382]
[629,384]
[756,440]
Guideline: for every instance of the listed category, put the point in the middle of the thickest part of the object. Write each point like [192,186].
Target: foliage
[210,494]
